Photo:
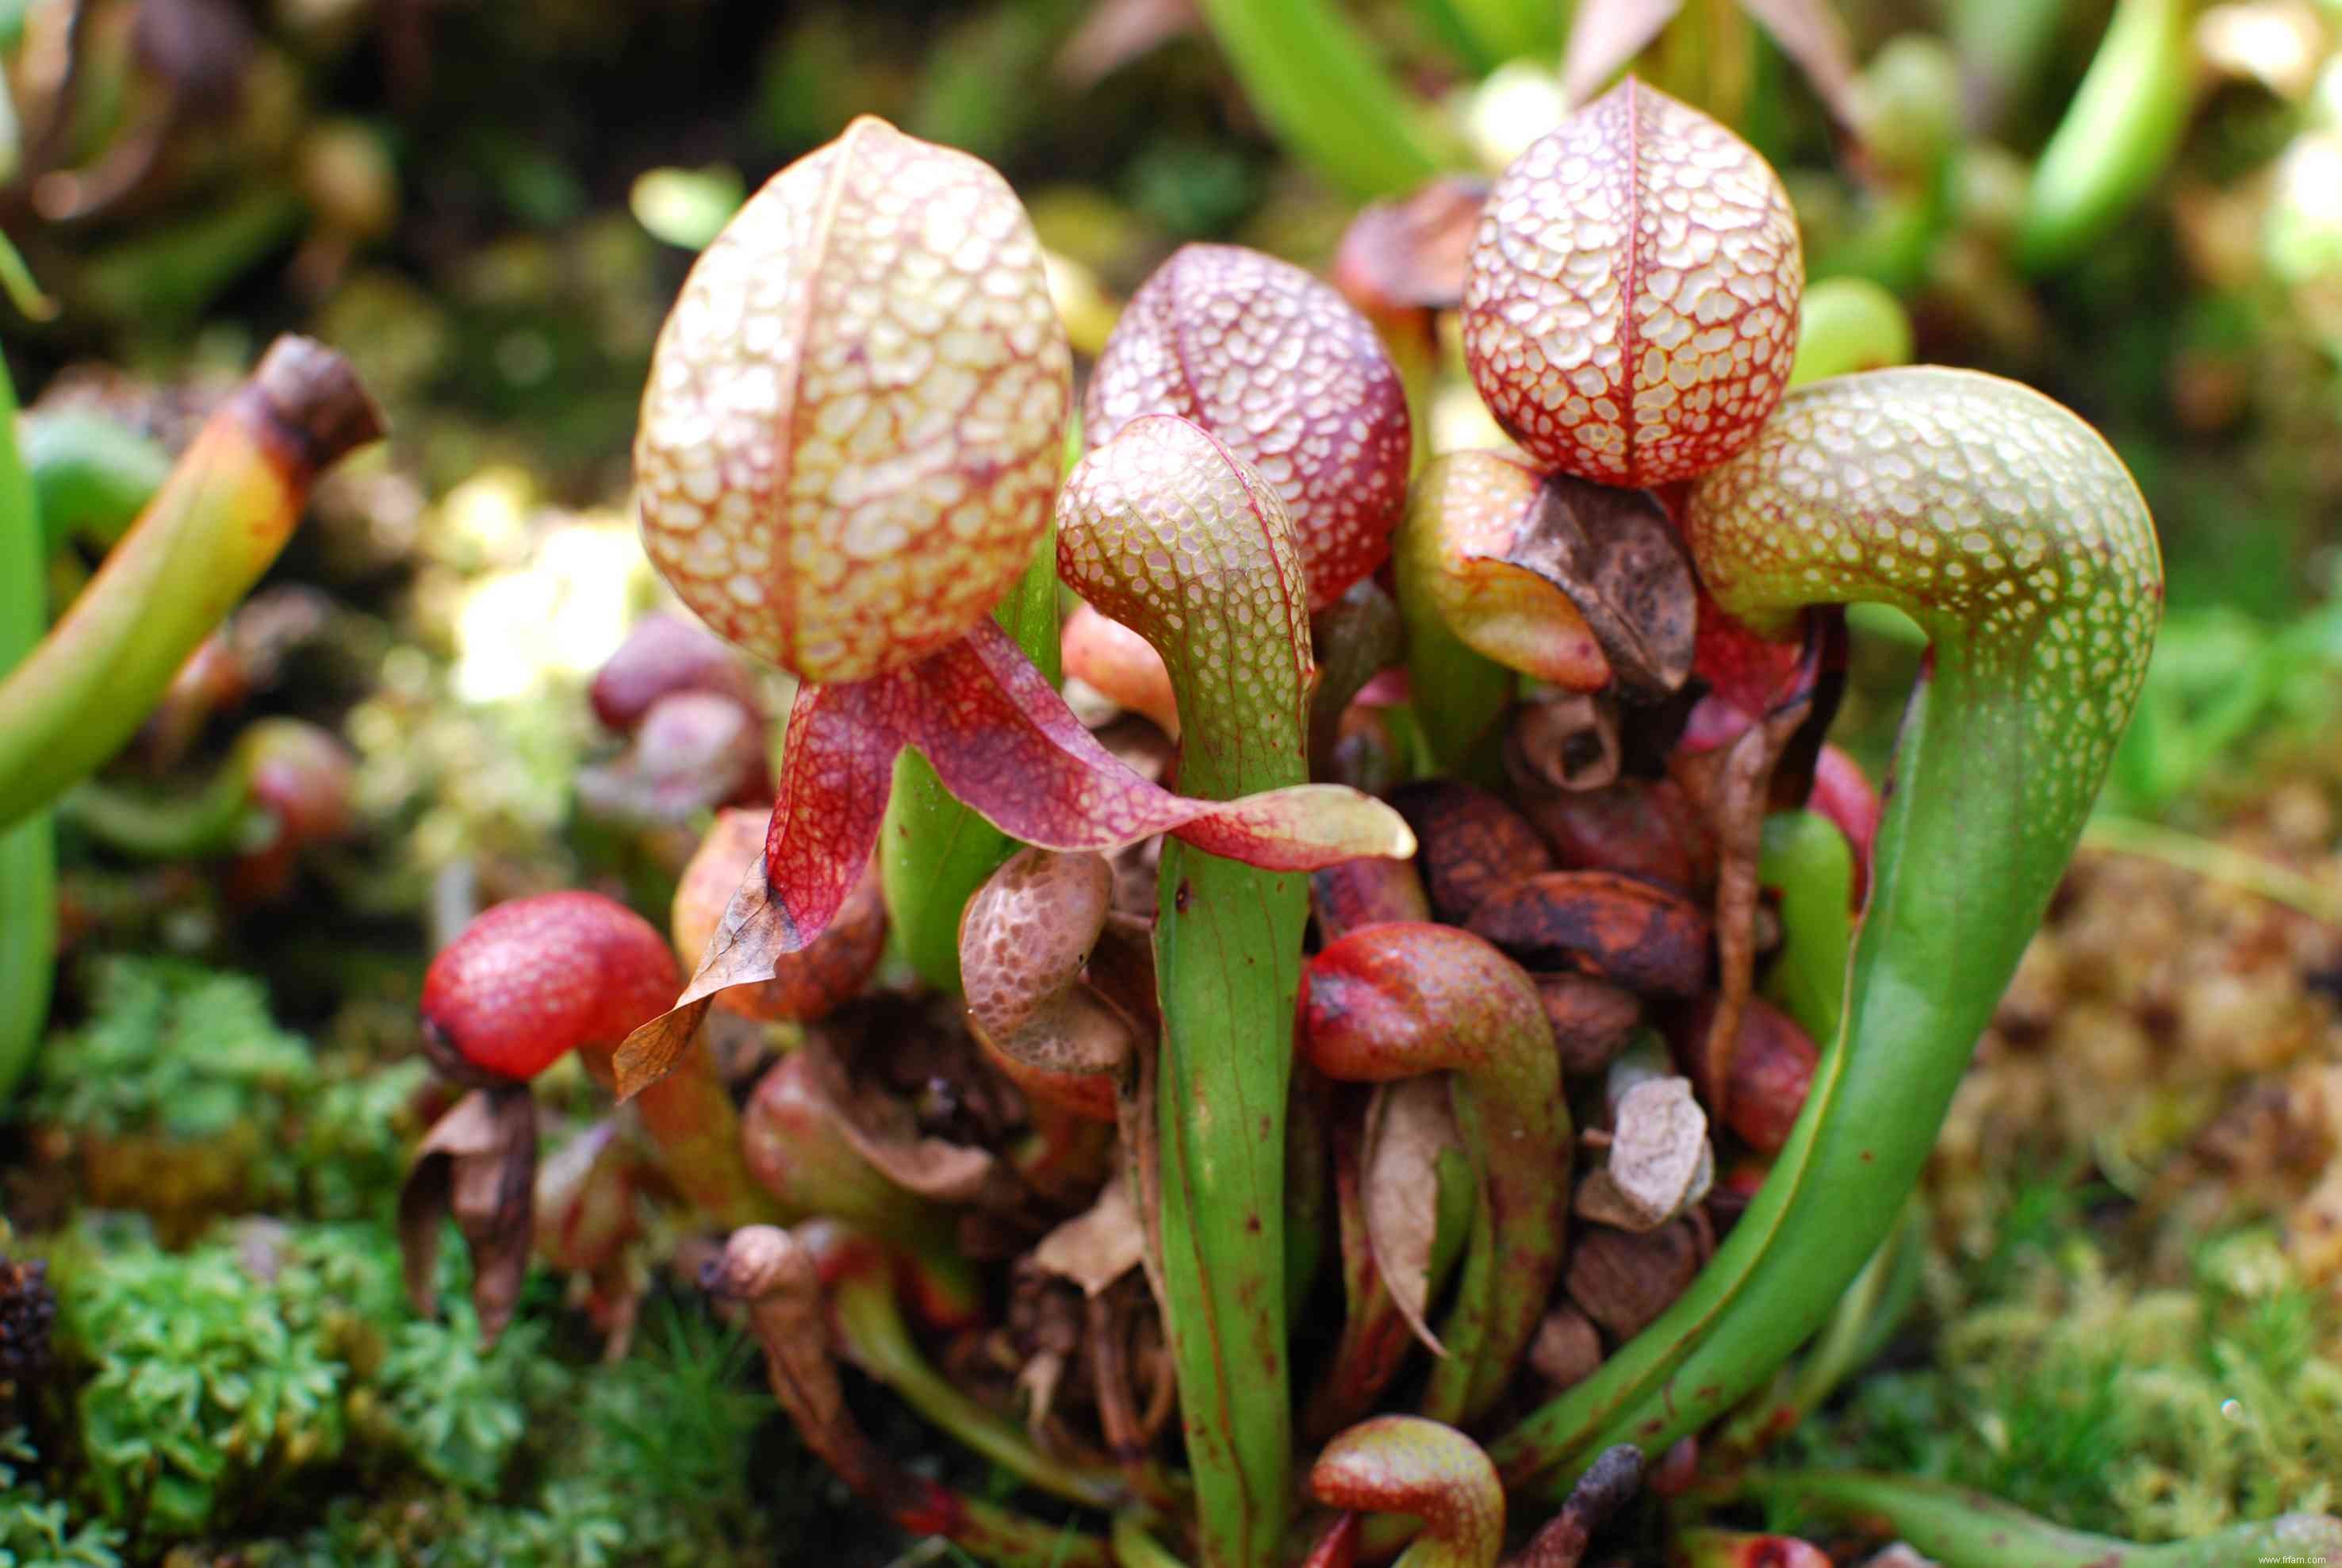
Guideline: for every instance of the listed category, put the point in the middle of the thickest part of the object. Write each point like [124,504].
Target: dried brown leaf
[1409,255]
[1624,1280]
[1408,1124]
[1631,933]
[1567,1348]
[1591,1020]
[1622,563]
[1471,845]
[1813,35]
[1118,31]
[1606,36]
[1098,1246]
[1743,798]
[478,1165]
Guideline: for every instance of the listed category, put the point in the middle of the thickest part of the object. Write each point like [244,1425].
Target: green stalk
[1502,30]
[1860,1325]
[1807,858]
[2041,642]
[877,1339]
[28,894]
[221,819]
[91,475]
[1316,82]
[163,279]
[1457,694]
[1170,533]
[1964,1529]
[1134,1546]
[2214,862]
[935,852]
[2119,134]
[230,504]
[1848,323]
[1228,953]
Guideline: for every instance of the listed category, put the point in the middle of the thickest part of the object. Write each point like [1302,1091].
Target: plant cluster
[1196,1097]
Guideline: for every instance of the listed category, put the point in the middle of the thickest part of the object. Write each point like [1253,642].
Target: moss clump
[37,1530]
[172,1050]
[2152,1412]
[216,1378]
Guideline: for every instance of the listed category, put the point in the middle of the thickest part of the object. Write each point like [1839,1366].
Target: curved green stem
[163,279]
[1397,1000]
[2214,862]
[877,1339]
[29,894]
[92,475]
[1457,694]
[1134,1546]
[219,819]
[1964,1529]
[2119,134]
[1865,1318]
[1848,323]
[1809,860]
[934,851]
[1167,531]
[2013,534]
[229,506]
[1315,81]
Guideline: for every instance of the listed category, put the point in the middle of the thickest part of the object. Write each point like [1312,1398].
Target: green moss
[37,1530]
[216,1376]
[2150,1413]
[648,1463]
[205,1377]
[352,1144]
[175,1049]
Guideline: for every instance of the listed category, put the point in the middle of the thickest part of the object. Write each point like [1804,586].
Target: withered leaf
[1471,845]
[883,1130]
[1626,1281]
[1118,31]
[1739,823]
[1812,34]
[1622,563]
[1567,1348]
[1636,935]
[1408,1124]
[1410,254]
[1099,1245]
[1605,35]
[765,1268]
[1591,1020]
[478,1163]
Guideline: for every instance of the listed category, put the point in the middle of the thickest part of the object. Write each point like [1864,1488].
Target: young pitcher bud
[1630,305]
[856,414]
